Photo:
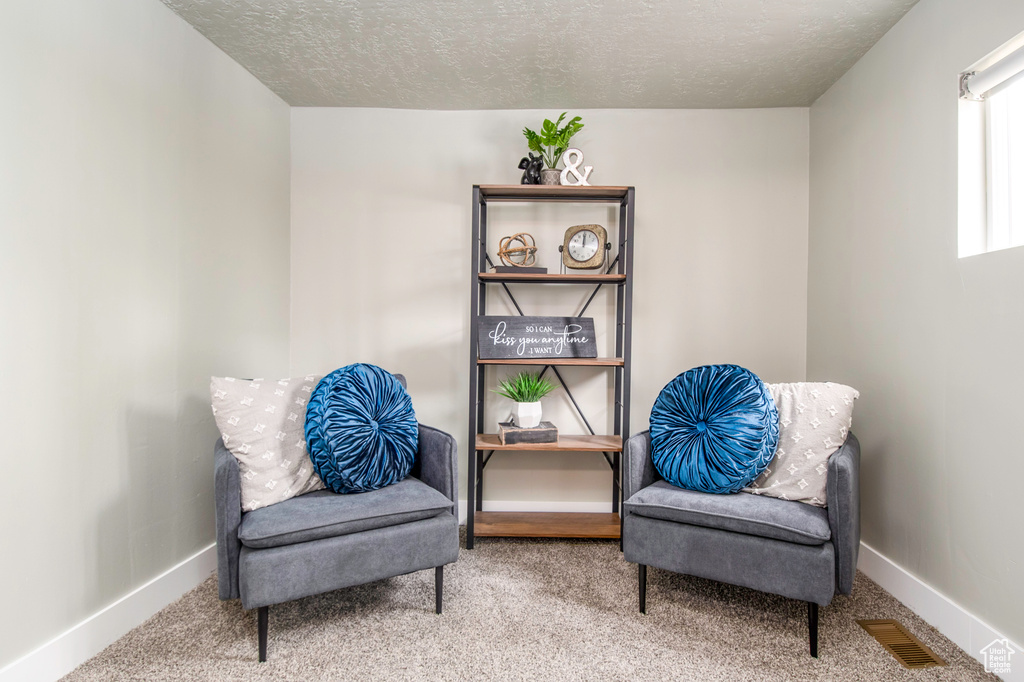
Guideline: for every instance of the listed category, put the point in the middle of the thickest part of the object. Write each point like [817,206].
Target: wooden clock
[584,247]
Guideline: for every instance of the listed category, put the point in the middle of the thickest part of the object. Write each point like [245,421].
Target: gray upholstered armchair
[787,548]
[322,541]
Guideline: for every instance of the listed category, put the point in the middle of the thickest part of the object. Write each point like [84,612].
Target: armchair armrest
[227,492]
[437,462]
[639,471]
[843,488]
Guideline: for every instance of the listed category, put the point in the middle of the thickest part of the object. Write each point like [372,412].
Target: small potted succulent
[551,143]
[525,390]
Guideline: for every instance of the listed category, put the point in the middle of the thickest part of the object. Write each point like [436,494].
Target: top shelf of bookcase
[553,193]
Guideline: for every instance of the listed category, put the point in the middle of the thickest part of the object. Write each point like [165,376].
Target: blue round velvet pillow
[714,429]
[361,430]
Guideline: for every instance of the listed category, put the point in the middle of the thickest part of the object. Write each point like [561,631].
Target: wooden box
[510,434]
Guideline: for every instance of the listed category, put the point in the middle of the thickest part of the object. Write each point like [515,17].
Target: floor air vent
[907,649]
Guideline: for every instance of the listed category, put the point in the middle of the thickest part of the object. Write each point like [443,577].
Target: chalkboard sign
[536,337]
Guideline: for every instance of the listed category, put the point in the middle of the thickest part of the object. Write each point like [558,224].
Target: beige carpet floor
[525,610]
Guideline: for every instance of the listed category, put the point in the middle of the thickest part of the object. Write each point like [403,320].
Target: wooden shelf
[552,193]
[539,362]
[546,525]
[490,441]
[536,278]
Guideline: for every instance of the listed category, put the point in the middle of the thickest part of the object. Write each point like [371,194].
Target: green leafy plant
[552,141]
[524,387]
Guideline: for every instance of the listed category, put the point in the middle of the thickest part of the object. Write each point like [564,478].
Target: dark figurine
[531,167]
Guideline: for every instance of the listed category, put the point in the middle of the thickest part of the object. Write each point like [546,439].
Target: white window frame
[991,152]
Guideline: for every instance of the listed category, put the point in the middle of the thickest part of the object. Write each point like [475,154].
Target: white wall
[381,256]
[143,247]
[932,342]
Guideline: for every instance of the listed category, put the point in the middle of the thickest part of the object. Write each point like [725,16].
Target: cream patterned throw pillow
[814,420]
[263,425]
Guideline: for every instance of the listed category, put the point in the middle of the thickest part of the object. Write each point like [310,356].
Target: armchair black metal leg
[643,587]
[262,617]
[438,587]
[812,626]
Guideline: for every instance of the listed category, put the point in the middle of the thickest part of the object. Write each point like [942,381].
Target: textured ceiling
[526,54]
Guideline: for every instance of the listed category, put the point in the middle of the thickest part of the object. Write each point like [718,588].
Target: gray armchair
[323,541]
[786,548]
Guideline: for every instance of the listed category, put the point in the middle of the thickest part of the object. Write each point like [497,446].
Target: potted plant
[551,143]
[525,390]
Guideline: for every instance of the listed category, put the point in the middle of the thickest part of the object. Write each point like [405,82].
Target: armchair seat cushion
[326,514]
[740,513]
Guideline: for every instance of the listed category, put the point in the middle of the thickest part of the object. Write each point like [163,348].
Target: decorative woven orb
[518,250]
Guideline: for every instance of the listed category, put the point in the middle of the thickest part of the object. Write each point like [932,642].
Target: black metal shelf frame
[621,264]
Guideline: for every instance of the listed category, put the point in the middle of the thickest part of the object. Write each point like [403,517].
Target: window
[991,145]
[1004,129]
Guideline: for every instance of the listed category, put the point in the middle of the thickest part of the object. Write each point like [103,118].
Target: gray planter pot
[550,176]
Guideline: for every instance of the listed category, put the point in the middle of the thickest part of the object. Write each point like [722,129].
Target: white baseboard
[70,649]
[965,629]
[532,506]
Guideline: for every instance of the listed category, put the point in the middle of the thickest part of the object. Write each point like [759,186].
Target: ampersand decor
[573,166]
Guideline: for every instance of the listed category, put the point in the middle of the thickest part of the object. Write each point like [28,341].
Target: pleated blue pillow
[714,429]
[361,430]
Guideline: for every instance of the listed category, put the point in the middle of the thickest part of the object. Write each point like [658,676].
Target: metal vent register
[905,648]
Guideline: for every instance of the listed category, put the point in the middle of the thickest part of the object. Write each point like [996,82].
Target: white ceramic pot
[527,415]
[550,176]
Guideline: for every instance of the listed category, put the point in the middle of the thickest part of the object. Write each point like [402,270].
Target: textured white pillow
[814,420]
[263,425]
